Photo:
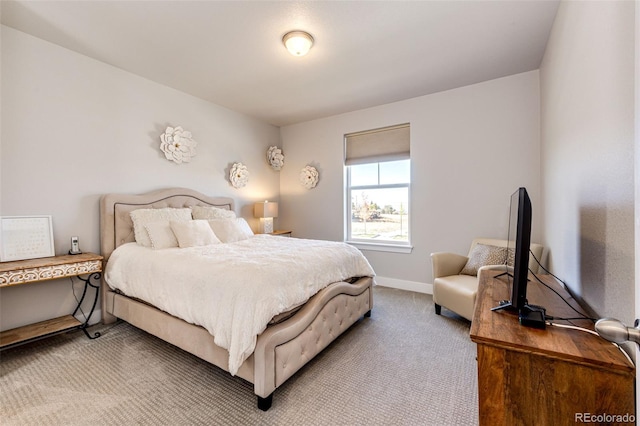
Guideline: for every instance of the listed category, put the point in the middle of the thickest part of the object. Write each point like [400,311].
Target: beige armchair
[456,289]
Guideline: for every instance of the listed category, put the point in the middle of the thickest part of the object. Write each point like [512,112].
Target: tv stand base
[529,315]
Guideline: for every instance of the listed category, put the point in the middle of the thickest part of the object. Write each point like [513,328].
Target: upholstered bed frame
[281,350]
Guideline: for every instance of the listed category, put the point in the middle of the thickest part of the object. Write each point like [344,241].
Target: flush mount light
[298,43]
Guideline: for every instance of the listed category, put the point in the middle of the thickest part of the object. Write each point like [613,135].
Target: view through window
[379,202]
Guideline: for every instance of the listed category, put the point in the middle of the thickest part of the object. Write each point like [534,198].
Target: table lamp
[266,211]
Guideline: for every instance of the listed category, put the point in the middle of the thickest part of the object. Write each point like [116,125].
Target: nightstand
[282,233]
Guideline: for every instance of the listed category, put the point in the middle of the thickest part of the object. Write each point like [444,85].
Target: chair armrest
[445,264]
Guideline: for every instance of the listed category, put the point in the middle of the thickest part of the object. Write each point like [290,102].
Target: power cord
[545,269]
[586,330]
[582,314]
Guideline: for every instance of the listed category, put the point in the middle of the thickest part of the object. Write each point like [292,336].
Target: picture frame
[26,237]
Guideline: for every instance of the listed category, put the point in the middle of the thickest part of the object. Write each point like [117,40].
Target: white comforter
[233,290]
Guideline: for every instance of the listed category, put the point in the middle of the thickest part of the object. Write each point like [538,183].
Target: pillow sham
[161,235]
[193,233]
[211,213]
[483,255]
[230,230]
[141,217]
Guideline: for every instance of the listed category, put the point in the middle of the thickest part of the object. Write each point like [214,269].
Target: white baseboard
[405,285]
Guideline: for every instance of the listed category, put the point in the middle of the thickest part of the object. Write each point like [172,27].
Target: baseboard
[405,285]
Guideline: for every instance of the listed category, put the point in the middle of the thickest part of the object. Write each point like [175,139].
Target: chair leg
[438,309]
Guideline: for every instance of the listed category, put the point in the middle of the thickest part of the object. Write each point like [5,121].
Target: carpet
[403,366]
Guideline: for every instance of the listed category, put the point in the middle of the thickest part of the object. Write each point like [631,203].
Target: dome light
[298,43]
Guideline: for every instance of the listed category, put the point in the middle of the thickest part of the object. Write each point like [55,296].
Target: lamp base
[266,225]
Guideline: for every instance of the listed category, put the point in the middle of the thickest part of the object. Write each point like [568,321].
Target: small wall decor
[275,158]
[239,175]
[177,145]
[309,177]
[25,237]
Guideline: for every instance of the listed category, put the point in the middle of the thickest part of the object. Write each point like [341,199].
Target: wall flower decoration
[177,145]
[309,177]
[275,157]
[239,175]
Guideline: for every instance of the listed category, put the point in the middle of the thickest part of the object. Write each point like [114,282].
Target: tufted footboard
[285,348]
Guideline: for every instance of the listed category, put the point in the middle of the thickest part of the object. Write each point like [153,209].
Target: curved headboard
[116,227]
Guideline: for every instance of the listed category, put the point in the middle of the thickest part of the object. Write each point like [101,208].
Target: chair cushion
[456,293]
[483,255]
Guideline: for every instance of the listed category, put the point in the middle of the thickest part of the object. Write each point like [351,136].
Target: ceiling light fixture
[298,43]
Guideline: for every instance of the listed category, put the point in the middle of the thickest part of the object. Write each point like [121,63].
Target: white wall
[74,128]
[587,89]
[470,147]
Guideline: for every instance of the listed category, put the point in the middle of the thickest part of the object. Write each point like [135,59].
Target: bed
[289,341]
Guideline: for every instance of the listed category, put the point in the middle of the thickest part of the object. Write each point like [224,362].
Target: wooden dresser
[555,376]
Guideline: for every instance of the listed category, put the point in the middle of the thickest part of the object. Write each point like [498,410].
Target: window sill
[391,248]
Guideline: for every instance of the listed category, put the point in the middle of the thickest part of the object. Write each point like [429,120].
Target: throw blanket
[233,290]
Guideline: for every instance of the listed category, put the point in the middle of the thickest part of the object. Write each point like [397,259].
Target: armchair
[455,288]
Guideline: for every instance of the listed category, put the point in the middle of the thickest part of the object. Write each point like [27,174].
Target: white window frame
[368,244]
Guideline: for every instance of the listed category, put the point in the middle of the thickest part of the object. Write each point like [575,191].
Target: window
[378,175]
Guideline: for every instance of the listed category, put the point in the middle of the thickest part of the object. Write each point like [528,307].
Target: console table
[528,376]
[31,271]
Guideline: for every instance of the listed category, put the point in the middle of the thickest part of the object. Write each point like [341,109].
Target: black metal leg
[438,309]
[265,403]
[87,283]
[368,314]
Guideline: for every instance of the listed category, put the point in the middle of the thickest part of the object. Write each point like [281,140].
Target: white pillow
[161,235]
[141,217]
[211,213]
[193,233]
[245,227]
[230,231]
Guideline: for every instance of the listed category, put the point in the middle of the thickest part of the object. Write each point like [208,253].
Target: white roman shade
[377,145]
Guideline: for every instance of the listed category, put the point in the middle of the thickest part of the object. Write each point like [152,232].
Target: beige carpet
[402,366]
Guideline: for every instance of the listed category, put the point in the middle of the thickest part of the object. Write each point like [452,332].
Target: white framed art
[25,237]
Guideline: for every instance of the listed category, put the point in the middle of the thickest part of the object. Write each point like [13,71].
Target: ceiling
[366,53]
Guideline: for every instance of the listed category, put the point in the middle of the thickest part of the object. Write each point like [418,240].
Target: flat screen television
[519,238]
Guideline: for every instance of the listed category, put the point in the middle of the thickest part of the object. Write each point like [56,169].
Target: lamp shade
[266,209]
[298,43]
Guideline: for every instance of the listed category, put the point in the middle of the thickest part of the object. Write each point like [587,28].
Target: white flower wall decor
[177,145]
[239,175]
[275,158]
[309,177]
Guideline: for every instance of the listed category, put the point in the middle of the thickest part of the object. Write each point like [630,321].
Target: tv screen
[519,241]
[520,234]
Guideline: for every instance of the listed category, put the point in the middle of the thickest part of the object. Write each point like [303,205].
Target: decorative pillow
[229,230]
[141,217]
[483,255]
[511,257]
[193,233]
[211,213]
[161,235]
